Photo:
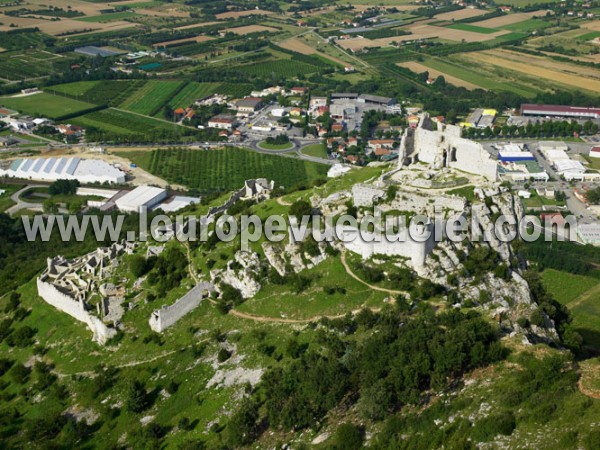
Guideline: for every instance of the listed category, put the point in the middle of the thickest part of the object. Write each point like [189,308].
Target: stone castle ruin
[441,146]
[69,284]
[163,318]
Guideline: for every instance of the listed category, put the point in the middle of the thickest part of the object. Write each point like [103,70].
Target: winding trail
[360,280]
[587,375]
[282,202]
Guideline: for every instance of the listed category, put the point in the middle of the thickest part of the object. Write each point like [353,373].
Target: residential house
[222,123]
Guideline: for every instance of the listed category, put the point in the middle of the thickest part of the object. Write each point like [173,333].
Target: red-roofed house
[337,127]
[595,152]
[380,143]
[222,123]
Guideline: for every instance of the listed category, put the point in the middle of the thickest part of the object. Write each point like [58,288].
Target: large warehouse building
[570,112]
[141,197]
[52,169]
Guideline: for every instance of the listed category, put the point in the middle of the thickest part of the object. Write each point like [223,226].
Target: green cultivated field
[235,90]
[121,122]
[472,28]
[29,63]
[226,169]
[566,287]
[191,92]
[107,92]
[281,68]
[110,17]
[151,97]
[589,36]
[45,105]
[478,77]
[528,25]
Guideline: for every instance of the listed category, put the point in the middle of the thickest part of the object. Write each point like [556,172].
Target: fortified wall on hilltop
[76,308]
[67,283]
[163,318]
[441,145]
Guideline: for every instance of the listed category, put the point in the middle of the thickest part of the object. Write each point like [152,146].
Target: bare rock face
[243,279]
[275,257]
[504,300]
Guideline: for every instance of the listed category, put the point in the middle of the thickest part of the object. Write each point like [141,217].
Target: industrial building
[589,233]
[571,170]
[249,105]
[344,96]
[481,118]
[376,100]
[522,171]
[142,197]
[508,156]
[178,202]
[571,112]
[52,169]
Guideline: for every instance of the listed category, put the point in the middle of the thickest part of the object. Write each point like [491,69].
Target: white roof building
[553,145]
[141,197]
[51,169]
[589,233]
[571,170]
[177,203]
[554,155]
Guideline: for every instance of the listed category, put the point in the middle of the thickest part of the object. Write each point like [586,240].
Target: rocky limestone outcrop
[242,275]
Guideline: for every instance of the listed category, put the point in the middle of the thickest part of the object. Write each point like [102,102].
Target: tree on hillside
[299,209]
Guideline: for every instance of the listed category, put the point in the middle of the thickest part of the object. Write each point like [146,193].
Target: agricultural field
[300,46]
[150,99]
[280,68]
[29,64]
[110,17]
[491,80]
[433,73]
[46,105]
[472,28]
[60,27]
[466,13]
[507,20]
[122,122]
[553,72]
[191,92]
[105,92]
[528,26]
[237,14]
[226,169]
[249,29]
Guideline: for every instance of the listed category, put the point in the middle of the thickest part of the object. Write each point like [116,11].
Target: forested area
[403,355]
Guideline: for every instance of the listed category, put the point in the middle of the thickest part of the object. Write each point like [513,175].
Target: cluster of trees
[169,268]
[63,187]
[280,139]
[562,128]
[394,366]
[565,256]
[593,196]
